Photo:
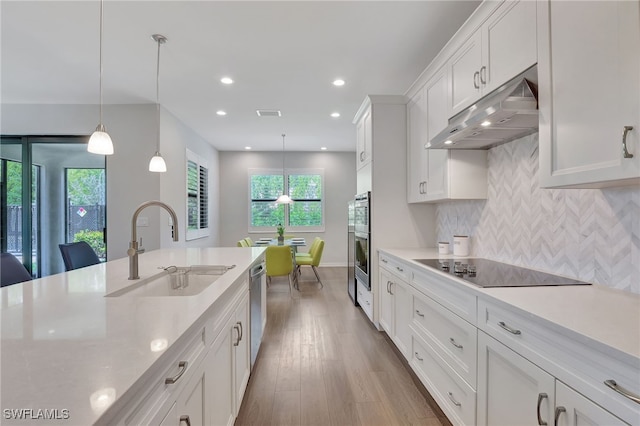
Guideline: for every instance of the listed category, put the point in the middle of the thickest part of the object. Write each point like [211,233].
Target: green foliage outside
[95,239]
[86,186]
[305,189]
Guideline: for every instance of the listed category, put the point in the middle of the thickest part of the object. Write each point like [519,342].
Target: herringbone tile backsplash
[588,234]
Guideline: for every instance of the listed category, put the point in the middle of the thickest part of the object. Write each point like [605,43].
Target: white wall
[133,129]
[340,187]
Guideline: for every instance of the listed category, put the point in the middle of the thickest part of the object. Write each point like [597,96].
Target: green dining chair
[242,243]
[313,260]
[279,262]
[312,248]
[249,242]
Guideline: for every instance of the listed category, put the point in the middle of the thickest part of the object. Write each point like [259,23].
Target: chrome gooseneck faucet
[134,248]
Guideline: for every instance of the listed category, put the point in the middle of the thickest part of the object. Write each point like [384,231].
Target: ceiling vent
[268,113]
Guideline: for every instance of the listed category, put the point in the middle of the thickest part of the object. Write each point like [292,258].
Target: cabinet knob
[626,153]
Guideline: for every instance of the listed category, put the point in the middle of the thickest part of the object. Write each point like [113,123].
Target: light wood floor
[322,362]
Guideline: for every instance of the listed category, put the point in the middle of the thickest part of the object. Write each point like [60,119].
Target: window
[304,186]
[197,197]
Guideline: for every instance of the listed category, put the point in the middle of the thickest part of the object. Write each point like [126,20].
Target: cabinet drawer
[365,300]
[453,395]
[580,363]
[395,267]
[159,393]
[456,298]
[453,338]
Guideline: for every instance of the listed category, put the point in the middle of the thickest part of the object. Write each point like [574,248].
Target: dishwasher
[257,285]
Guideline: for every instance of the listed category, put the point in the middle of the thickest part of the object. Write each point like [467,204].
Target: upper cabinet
[503,47]
[589,93]
[363,140]
[438,174]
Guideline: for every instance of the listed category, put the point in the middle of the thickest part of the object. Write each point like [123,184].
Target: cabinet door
[464,71]
[191,404]
[403,314]
[576,410]
[417,154]
[386,302]
[219,362]
[511,390]
[589,90]
[360,144]
[509,43]
[242,356]
[364,140]
[368,137]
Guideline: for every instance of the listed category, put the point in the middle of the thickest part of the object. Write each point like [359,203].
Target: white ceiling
[282,55]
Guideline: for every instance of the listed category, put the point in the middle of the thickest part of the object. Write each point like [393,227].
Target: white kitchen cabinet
[574,409]
[365,299]
[395,312]
[220,362]
[511,390]
[191,405]
[589,90]
[438,174]
[503,47]
[363,140]
[242,355]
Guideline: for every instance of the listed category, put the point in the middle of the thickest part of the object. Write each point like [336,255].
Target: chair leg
[317,276]
[289,277]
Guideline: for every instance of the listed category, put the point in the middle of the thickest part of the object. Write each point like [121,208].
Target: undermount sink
[175,281]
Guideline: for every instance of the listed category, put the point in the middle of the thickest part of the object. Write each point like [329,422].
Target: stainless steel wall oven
[362,238]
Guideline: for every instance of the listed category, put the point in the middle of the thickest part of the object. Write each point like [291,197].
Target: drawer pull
[185,419]
[509,329]
[626,153]
[399,269]
[541,396]
[454,343]
[183,367]
[475,80]
[241,330]
[420,314]
[390,284]
[418,356]
[384,260]
[237,328]
[456,403]
[559,410]
[622,391]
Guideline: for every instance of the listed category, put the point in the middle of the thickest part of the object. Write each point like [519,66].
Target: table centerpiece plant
[280,230]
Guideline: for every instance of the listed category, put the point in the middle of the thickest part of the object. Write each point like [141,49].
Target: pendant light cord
[283,174]
[101,30]
[158,92]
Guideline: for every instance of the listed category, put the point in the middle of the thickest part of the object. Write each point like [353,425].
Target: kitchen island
[70,355]
[513,355]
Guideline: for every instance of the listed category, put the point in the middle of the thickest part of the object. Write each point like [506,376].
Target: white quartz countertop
[65,346]
[607,318]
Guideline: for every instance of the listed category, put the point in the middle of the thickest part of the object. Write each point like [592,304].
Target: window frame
[287,172]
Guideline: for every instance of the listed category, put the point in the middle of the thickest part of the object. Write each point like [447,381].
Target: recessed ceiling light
[448,142]
[323,148]
[247,148]
[338,82]
[335,114]
[485,123]
[226,80]
[221,112]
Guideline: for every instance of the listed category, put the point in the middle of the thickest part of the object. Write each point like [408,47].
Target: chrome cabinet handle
[390,284]
[186,420]
[399,269]
[419,313]
[476,75]
[384,260]
[241,330]
[622,391]
[626,153]
[456,403]
[541,396]
[183,367]
[420,190]
[509,329]
[483,74]
[417,355]
[559,410]
[361,155]
[454,343]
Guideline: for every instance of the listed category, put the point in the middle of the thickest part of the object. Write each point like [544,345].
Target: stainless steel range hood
[508,113]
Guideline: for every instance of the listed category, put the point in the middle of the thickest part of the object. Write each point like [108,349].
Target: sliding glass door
[34,221]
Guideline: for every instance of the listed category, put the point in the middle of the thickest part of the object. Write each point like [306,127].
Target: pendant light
[284,198]
[100,141]
[157,163]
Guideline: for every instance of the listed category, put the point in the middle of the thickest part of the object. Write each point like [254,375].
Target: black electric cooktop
[488,273]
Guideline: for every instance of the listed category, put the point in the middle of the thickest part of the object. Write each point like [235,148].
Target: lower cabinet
[574,409]
[511,390]
[365,299]
[395,312]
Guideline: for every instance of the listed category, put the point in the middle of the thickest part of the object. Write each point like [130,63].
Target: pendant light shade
[100,141]
[157,163]
[284,198]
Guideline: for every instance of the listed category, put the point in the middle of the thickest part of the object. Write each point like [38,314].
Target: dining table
[294,243]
